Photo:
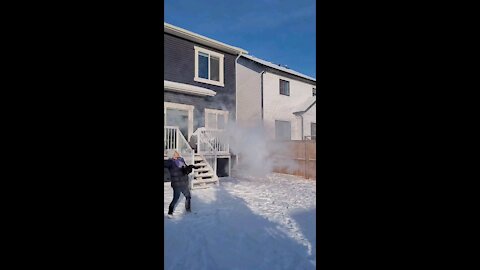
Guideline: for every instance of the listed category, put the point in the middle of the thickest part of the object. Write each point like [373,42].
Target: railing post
[215,162]
[305,144]
[229,166]
[177,139]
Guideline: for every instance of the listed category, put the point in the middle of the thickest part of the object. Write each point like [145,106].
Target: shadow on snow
[226,234]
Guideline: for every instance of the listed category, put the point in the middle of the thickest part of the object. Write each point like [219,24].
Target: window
[215,119]
[314,92]
[284,87]
[208,66]
[313,131]
[283,130]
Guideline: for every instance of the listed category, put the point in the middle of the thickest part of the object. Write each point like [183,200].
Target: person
[179,171]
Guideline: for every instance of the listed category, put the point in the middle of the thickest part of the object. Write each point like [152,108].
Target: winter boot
[187,205]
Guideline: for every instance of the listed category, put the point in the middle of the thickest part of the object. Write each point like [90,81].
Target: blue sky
[279,31]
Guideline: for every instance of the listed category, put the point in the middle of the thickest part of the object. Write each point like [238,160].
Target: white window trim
[220,70]
[189,108]
[217,112]
[289,88]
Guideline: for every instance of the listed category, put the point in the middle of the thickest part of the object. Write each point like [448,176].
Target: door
[181,116]
[178,118]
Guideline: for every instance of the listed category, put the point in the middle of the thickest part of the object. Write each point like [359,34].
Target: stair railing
[205,147]
[217,138]
[173,139]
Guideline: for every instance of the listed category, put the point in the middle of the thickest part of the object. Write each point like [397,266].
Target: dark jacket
[178,174]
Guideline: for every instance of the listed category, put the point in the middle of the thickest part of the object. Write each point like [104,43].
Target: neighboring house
[280,99]
[200,98]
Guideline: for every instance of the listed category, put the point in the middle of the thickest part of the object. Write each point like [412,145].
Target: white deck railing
[216,138]
[205,148]
[174,140]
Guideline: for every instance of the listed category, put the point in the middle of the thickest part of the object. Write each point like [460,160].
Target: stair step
[207,174]
[201,180]
[200,164]
[204,169]
[204,175]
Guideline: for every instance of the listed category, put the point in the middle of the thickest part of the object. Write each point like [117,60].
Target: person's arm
[190,167]
[183,160]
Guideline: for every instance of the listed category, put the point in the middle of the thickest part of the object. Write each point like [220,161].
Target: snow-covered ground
[244,223]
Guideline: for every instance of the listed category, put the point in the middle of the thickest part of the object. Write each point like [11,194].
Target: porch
[204,149]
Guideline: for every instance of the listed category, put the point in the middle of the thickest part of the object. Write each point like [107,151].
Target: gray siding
[179,65]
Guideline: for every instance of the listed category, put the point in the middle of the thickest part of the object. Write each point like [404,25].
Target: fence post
[305,144]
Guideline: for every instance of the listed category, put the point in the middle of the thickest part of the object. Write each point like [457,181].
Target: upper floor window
[284,87]
[208,66]
[314,92]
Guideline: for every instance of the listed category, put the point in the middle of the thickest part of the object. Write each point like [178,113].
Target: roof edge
[304,111]
[279,68]
[175,30]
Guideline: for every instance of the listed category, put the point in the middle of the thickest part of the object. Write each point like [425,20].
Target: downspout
[301,116]
[236,85]
[261,91]
[236,106]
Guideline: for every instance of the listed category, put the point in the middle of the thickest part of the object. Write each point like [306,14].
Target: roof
[275,66]
[187,89]
[177,31]
[305,106]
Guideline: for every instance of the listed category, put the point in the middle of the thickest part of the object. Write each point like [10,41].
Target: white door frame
[178,106]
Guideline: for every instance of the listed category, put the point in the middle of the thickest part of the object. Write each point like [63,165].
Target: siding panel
[179,64]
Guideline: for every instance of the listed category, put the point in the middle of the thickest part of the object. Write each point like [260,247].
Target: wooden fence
[295,157]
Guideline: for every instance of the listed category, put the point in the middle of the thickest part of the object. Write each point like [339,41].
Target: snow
[244,223]
[275,66]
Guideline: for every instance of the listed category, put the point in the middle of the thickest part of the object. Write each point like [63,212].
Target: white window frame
[216,112]
[280,87]
[189,108]
[220,68]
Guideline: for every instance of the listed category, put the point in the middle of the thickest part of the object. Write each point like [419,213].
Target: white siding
[281,107]
[308,118]
[248,96]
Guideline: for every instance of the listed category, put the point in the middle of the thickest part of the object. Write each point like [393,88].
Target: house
[280,99]
[199,100]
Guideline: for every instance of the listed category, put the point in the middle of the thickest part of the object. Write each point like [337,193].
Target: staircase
[203,173]
[210,146]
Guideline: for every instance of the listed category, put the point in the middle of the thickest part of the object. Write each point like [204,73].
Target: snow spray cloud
[258,156]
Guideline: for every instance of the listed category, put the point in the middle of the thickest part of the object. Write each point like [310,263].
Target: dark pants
[176,196]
